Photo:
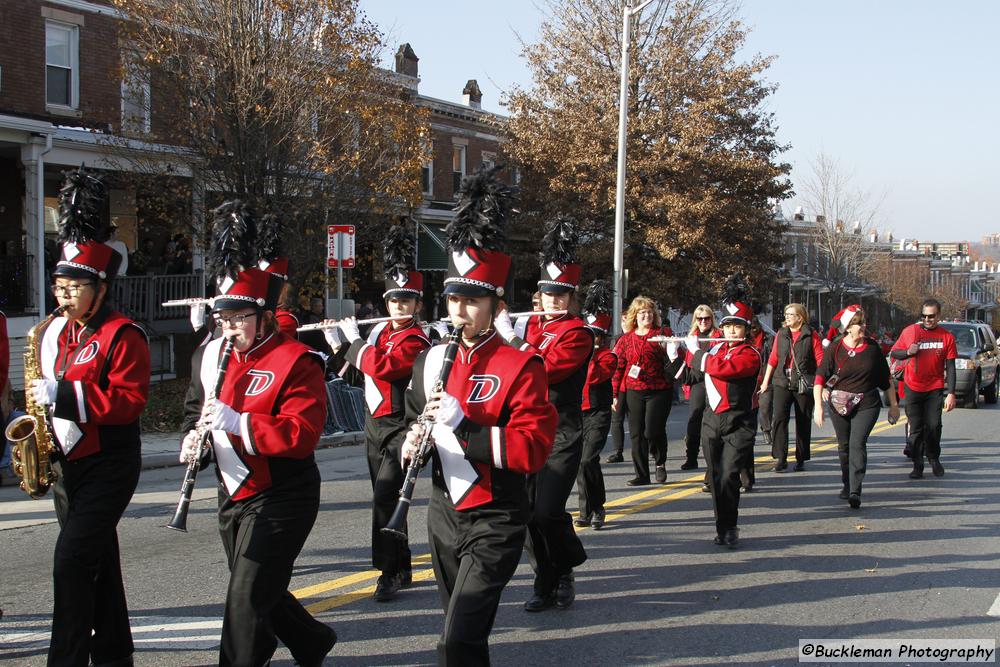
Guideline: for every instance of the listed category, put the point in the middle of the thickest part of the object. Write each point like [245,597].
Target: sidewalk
[161,450]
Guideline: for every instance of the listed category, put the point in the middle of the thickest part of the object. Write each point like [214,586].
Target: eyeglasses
[232,320]
[928,316]
[704,319]
[790,315]
[69,290]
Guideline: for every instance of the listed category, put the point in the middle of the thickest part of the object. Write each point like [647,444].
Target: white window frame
[465,156]
[429,166]
[74,64]
[128,82]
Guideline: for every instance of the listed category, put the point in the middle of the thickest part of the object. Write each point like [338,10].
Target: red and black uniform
[794,355]
[479,505]
[928,377]
[645,376]
[730,421]
[102,370]
[596,425]
[695,380]
[386,360]
[565,344]
[287,322]
[268,491]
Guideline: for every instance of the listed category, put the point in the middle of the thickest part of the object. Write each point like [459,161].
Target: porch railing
[139,297]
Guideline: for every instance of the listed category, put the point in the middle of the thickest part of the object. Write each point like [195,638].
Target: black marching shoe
[917,472]
[540,602]
[661,474]
[781,465]
[635,481]
[844,493]
[316,656]
[565,591]
[720,540]
[854,500]
[582,521]
[690,464]
[936,467]
[405,578]
[616,457]
[746,484]
[799,466]
[386,588]
[598,521]
[732,537]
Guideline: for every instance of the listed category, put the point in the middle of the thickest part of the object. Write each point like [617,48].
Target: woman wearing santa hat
[95,363]
[849,379]
[795,354]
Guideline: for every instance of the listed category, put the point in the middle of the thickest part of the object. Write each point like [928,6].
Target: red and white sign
[340,246]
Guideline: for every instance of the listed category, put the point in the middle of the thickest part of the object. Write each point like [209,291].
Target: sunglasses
[928,316]
[704,319]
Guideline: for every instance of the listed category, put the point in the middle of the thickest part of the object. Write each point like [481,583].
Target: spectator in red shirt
[643,377]
[795,354]
[929,379]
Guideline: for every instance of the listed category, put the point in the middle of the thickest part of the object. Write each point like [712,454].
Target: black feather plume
[599,297]
[270,238]
[484,205]
[398,251]
[559,243]
[233,237]
[81,207]
[735,290]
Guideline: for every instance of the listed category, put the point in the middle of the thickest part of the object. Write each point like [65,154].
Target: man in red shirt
[929,379]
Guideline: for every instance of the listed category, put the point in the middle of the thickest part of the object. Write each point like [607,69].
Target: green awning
[431,243]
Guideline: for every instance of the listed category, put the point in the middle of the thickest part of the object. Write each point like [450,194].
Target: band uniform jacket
[277,387]
[507,431]
[565,344]
[597,391]
[730,375]
[104,384]
[287,322]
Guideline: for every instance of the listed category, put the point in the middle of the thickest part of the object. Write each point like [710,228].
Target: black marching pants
[923,413]
[618,418]
[781,406]
[553,545]
[590,480]
[648,410]
[90,614]
[263,536]
[725,439]
[765,401]
[389,554]
[852,444]
[696,412]
[474,553]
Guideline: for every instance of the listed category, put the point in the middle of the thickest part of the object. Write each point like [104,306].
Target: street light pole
[620,184]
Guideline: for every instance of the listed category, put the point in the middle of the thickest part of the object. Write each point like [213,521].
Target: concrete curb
[169,460]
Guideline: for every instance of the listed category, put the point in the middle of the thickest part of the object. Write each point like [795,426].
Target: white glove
[224,418]
[197,316]
[450,413]
[44,391]
[349,328]
[189,447]
[672,351]
[691,343]
[442,328]
[503,325]
[333,338]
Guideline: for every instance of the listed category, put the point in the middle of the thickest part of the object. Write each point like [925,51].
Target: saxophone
[31,455]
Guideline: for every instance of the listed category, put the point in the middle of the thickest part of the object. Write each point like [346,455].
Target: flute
[536,313]
[197,301]
[375,320]
[681,339]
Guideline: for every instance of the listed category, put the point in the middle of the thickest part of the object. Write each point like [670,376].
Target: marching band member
[386,360]
[263,429]
[95,367]
[703,326]
[731,369]
[270,248]
[596,407]
[565,344]
[492,426]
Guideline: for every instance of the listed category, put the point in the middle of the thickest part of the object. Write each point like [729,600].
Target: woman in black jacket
[849,379]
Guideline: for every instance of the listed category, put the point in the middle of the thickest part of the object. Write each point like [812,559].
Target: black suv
[976,366]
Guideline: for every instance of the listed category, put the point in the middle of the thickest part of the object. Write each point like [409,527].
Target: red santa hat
[840,322]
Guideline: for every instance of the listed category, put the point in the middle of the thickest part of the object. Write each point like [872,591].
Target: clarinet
[179,520]
[397,522]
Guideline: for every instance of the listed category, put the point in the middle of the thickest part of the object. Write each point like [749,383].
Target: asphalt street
[918,560]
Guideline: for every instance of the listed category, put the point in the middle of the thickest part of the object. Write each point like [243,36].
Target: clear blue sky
[904,93]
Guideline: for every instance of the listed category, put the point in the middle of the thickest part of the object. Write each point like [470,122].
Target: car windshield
[965,337]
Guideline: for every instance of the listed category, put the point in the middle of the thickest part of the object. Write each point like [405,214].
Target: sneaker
[690,464]
[405,578]
[614,458]
[732,537]
[598,522]
[844,493]
[386,588]
[661,474]
[781,465]
[854,500]
[799,466]
[635,481]
[705,488]
[936,467]
[917,472]
[581,521]
[540,602]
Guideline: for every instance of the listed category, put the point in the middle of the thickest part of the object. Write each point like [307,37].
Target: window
[135,101]
[457,167]
[427,174]
[62,81]
[489,160]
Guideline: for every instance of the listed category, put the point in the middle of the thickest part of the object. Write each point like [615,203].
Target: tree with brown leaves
[703,171]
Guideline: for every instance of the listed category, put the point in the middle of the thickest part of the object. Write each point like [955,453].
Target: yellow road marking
[631,504]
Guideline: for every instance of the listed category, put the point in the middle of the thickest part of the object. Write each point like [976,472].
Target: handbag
[802,387]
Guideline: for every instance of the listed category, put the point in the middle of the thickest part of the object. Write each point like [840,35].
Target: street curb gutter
[168,460]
